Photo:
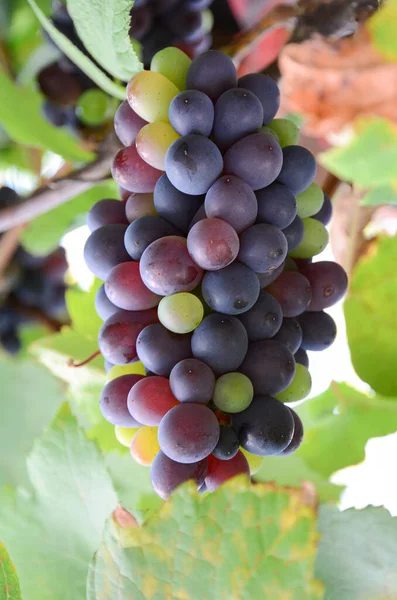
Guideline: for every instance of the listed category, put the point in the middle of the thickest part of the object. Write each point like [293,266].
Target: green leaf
[20,117]
[371,317]
[294,471]
[9,583]
[30,398]
[84,317]
[357,554]
[76,56]
[52,530]
[338,424]
[239,542]
[370,159]
[382,27]
[43,234]
[103,27]
[383,194]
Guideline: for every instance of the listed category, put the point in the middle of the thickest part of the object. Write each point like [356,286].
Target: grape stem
[73,363]
[58,192]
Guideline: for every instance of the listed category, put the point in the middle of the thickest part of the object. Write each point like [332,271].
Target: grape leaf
[371,317]
[43,234]
[52,529]
[9,583]
[383,194]
[370,158]
[76,56]
[103,27]
[20,117]
[30,398]
[383,30]
[357,556]
[239,542]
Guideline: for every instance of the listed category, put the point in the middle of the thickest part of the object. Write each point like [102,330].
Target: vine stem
[73,363]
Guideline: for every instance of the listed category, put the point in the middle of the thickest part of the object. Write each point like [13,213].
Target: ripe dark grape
[297,438]
[212,73]
[221,342]
[150,399]
[213,244]
[188,433]
[294,233]
[293,291]
[113,401]
[103,306]
[266,427]
[267,277]
[324,215]
[192,111]
[257,159]
[232,290]
[227,446]
[220,471]
[238,113]
[118,335]
[270,366]
[57,114]
[264,319]
[176,207]
[276,205]
[160,350]
[318,330]
[290,334]
[143,231]
[139,205]
[58,85]
[298,170]
[105,249]
[127,124]
[132,173]
[125,288]
[191,380]
[193,163]
[166,474]
[301,357]
[266,89]
[232,200]
[328,281]
[262,247]
[167,268]
[106,212]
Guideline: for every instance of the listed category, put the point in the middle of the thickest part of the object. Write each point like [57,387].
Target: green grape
[153,141]
[207,20]
[314,241]
[233,392]
[254,461]
[135,368]
[173,64]
[287,132]
[144,446]
[149,95]
[124,435]
[94,107]
[299,387]
[310,201]
[181,312]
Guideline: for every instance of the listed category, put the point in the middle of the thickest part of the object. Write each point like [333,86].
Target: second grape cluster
[209,279]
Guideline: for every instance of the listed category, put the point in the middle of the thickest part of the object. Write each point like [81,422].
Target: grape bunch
[72,100]
[186,24]
[29,287]
[210,298]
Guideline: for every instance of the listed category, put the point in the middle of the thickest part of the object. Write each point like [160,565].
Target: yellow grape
[181,312]
[124,435]
[149,94]
[255,462]
[145,446]
[173,64]
[135,368]
[153,141]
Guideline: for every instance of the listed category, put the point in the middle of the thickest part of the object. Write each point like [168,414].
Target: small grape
[139,205]
[191,380]
[297,438]
[145,446]
[254,461]
[310,201]
[220,471]
[299,387]
[106,212]
[318,330]
[233,201]
[270,366]
[132,173]
[180,313]
[233,392]
[173,64]
[293,292]
[232,290]
[167,474]
[227,446]
[127,124]
[160,350]
[192,112]
[124,435]
[149,94]
[150,399]
[125,288]
[287,132]
[212,73]
[315,240]
[113,401]
[153,141]
[290,334]
[135,368]
[94,107]
[298,168]
[266,89]
[213,244]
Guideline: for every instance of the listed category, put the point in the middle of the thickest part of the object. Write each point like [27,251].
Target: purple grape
[105,249]
[127,124]
[294,233]
[238,113]
[232,290]
[276,205]
[262,247]
[192,112]
[298,170]
[213,244]
[113,401]
[191,380]
[324,215]
[160,350]
[228,445]
[167,474]
[103,306]
[266,90]
[318,330]
[232,200]
[293,291]
[290,334]
[328,281]
[297,438]
[270,366]
[301,357]
[143,231]
[106,212]
[176,207]
[264,319]
[212,73]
